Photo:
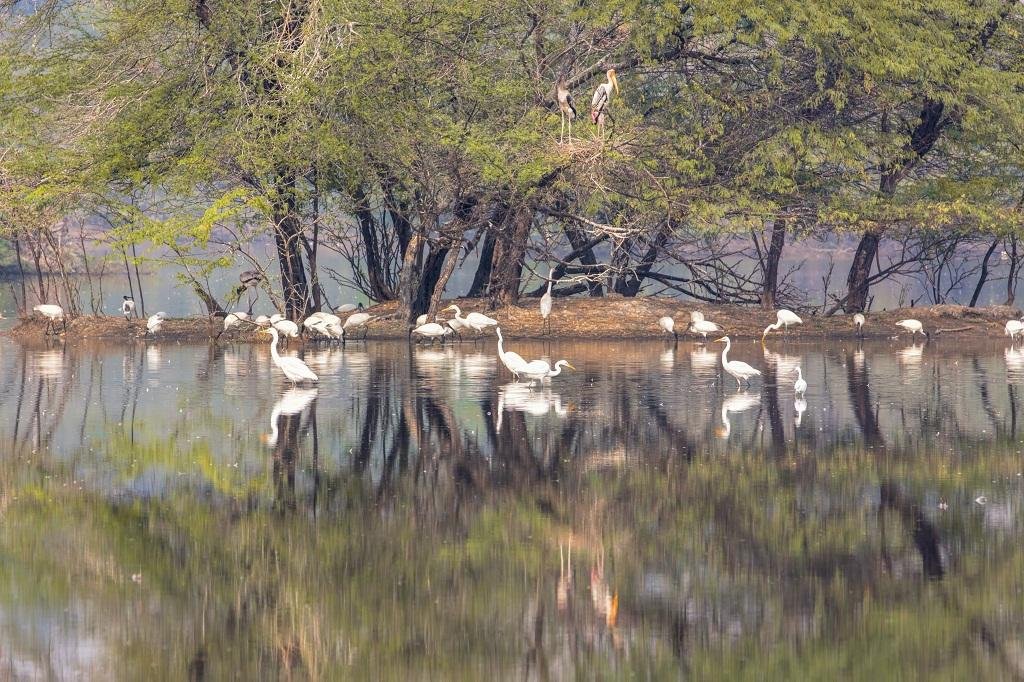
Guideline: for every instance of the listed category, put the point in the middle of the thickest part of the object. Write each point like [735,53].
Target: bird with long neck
[546,302]
[599,103]
[565,108]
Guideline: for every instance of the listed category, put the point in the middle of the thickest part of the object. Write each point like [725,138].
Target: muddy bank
[574,318]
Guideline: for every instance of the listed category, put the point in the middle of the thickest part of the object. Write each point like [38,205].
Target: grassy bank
[577,318]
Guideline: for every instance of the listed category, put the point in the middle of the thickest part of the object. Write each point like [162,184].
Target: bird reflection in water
[536,402]
[285,428]
[1014,364]
[704,363]
[293,402]
[563,590]
[739,402]
[799,406]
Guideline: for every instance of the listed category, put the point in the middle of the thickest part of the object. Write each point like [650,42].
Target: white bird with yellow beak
[599,103]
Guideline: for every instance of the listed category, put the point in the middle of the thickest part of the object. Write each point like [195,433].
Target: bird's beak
[570,366]
[717,340]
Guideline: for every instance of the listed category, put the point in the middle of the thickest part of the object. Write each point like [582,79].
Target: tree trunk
[860,270]
[483,268]
[432,268]
[984,273]
[507,269]
[375,267]
[409,279]
[771,268]
[288,236]
[1011,279]
[450,262]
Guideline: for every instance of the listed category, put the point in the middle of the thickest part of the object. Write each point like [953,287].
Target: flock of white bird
[331,326]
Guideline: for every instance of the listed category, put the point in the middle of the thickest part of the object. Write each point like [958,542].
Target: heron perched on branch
[599,103]
[565,108]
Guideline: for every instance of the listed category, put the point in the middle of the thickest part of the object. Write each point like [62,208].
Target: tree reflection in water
[417,515]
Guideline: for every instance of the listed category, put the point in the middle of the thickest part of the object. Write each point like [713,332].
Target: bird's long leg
[561,133]
[570,131]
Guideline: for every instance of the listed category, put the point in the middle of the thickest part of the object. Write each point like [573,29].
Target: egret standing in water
[912,326]
[513,361]
[545,302]
[478,322]
[704,327]
[295,369]
[430,330]
[783,318]
[52,313]
[565,108]
[669,326]
[539,370]
[1013,328]
[740,371]
[127,306]
[799,386]
[599,103]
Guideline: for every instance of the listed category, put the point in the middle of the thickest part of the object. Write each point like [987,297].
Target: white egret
[431,330]
[326,317]
[315,325]
[295,369]
[52,313]
[740,371]
[355,321]
[538,370]
[261,321]
[478,322]
[565,108]
[912,326]
[155,322]
[696,316]
[348,308]
[1013,328]
[513,361]
[127,306]
[859,320]
[799,386]
[457,326]
[783,318]
[705,327]
[545,301]
[294,401]
[285,328]
[421,320]
[669,325]
[600,101]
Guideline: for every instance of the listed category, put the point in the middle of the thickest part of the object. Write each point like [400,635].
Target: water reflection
[407,514]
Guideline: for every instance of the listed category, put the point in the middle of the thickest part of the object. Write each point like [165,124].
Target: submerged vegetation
[415,137]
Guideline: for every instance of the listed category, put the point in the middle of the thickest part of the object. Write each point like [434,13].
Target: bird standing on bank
[669,326]
[600,101]
[565,108]
[545,302]
[127,306]
[478,322]
[912,326]
[52,313]
[859,320]
[355,321]
[295,369]
[783,318]
[704,327]
[740,371]
[155,322]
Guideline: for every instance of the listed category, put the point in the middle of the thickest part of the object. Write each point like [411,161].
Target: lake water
[178,512]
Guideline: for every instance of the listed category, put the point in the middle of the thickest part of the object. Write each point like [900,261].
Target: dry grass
[575,318]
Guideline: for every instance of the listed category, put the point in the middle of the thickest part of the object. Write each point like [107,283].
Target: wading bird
[799,386]
[127,306]
[740,371]
[545,301]
[513,361]
[355,322]
[232,320]
[599,103]
[859,320]
[261,321]
[539,370]
[295,369]
[284,327]
[912,326]
[565,108]
[704,327]
[52,313]
[1013,328]
[478,322]
[155,322]
[783,318]
[669,326]
[431,330]
[348,308]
